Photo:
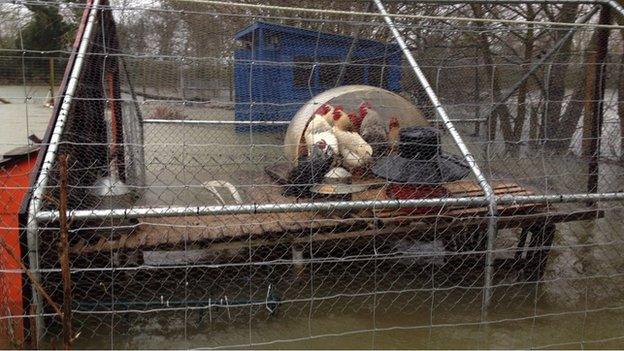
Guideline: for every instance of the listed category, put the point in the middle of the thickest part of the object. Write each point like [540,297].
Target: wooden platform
[235,231]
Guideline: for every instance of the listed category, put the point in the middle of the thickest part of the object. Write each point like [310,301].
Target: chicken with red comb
[326,111]
[356,121]
[341,119]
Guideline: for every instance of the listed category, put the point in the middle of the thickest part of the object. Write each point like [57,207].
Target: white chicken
[318,124]
[355,151]
[318,129]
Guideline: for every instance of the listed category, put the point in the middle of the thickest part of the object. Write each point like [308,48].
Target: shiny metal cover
[387,103]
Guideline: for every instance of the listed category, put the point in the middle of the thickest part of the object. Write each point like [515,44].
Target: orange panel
[14,178]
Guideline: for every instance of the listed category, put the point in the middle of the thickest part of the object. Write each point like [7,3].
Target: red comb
[323,109]
[363,110]
[336,115]
[394,122]
[337,112]
[356,120]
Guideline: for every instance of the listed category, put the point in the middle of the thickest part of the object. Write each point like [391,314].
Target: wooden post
[597,99]
[231,79]
[52,83]
[182,83]
[34,339]
[35,282]
[477,96]
[143,78]
[64,255]
[297,261]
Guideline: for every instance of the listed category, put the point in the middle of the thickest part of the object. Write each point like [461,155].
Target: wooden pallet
[275,228]
[457,190]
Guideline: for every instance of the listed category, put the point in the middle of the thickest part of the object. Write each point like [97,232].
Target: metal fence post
[41,183]
[487,189]
[597,97]
[477,96]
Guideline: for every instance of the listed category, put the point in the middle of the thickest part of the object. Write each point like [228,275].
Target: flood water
[377,303]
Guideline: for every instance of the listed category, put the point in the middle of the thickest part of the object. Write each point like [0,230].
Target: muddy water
[22,117]
[579,303]
[400,305]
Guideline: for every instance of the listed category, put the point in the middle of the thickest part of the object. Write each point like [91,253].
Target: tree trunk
[620,104]
[597,108]
[578,100]
[557,80]
[534,122]
[523,90]
[501,111]
[590,77]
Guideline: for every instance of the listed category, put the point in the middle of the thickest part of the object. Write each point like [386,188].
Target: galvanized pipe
[616,6]
[145,212]
[487,189]
[560,198]
[44,174]
[212,122]
[613,3]
[502,2]
[217,122]
[149,212]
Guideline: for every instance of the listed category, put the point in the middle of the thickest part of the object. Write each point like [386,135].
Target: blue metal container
[282,67]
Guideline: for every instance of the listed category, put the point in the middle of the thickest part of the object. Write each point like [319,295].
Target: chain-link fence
[432,174]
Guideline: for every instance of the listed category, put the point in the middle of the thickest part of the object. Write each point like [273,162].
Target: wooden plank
[444,224]
[172,230]
[398,224]
[466,186]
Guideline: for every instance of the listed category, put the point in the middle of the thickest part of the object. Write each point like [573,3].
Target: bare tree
[557,78]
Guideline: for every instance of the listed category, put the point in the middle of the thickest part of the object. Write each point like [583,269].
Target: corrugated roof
[280,28]
[18,153]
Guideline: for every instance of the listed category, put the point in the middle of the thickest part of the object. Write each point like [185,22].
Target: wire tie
[227,306]
[266,300]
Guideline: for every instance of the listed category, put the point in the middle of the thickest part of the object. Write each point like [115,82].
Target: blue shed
[281,67]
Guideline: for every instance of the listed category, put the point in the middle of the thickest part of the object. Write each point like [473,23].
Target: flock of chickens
[335,138]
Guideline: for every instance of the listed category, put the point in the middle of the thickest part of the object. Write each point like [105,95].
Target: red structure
[15,171]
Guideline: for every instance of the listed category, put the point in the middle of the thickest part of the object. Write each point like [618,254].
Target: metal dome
[387,103]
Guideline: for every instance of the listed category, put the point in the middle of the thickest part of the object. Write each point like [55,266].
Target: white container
[387,103]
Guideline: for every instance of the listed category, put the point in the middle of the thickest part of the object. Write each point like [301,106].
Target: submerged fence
[181,196]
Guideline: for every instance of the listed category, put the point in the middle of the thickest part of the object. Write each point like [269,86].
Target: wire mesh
[197,185]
